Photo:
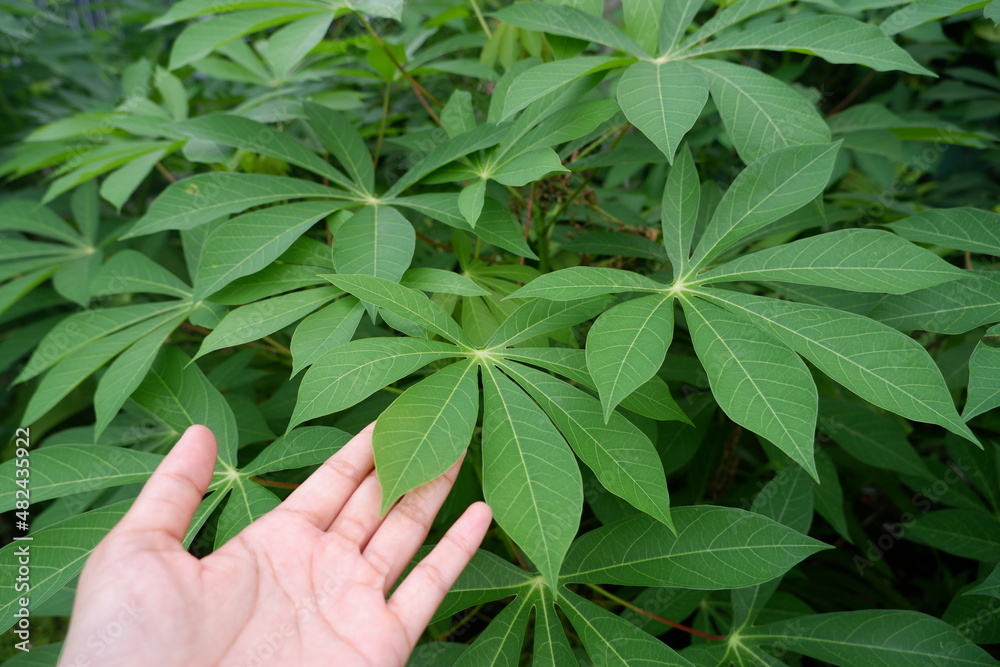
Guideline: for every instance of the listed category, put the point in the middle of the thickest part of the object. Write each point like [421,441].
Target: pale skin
[306,584]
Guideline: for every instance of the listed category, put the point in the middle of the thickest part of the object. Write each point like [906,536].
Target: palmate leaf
[482,136]
[262,318]
[205,197]
[530,476]
[663,100]
[651,399]
[486,578]
[877,363]
[715,548]
[871,637]
[568,21]
[837,39]
[969,229]
[356,370]
[612,641]
[761,113]
[859,260]
[679,211]
[626,346]
[179,395]
[580,282]
[376,241]
[62,470]
[249,242]
[769,188]
[499,645]
[540,316]
[759,382]
[984,378]
[407,303]
[951,308]
[424,431]
[344,143]
[621,455]
[246,503]
[261,139]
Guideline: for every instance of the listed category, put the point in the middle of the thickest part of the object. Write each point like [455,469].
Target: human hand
[305,584]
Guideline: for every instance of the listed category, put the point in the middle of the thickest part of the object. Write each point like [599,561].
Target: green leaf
[21,215]
[621,455]
[761,113]
[262,318]
[298,448]
[679,211]
[126,373]
[527,167]
[651,399]
[73,278]
[424,431]
[544,79]
[486,578]
[206,197]
[836,39]
[663,100]
[248,502]
[500,643]
[715,548]
[448,150]
[966,533]
[969,229]
[376,241]
[86,210]
[530,476]
[622,244]
[57,556]
[769,188]
[579,282]
[179,395]
[568,21]
[877,363]
[922,11]
[496,224]
[408,303]
[470,201]
[428,279]
[323,331]
[551,646]
[859,260]
[62,470]
[260,139]
[356,370]
[201,38]
[989,586]
[951,308]
[870,437]
[758,381]
[457,116]
[540,316]
[677,16]
[872,637]
[130,271]
[612,641]
[68,373]
[344,142]
[288,46]
[984,378]
[730,15]
[249,242]
[626,346]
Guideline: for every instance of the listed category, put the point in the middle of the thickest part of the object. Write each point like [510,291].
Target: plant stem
[482,19]
[649,614]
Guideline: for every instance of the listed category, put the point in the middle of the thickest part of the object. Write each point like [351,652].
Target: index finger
[321,497]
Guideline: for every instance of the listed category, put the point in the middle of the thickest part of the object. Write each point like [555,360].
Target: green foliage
[737,259]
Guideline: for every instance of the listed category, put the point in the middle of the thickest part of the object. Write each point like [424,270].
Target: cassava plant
[744,250]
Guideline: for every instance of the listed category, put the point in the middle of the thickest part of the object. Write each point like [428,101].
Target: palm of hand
[303,585]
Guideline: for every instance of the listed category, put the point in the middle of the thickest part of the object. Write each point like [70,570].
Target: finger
[406,525]
[420,594]
[360,516]
[321,497]
[170,497]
